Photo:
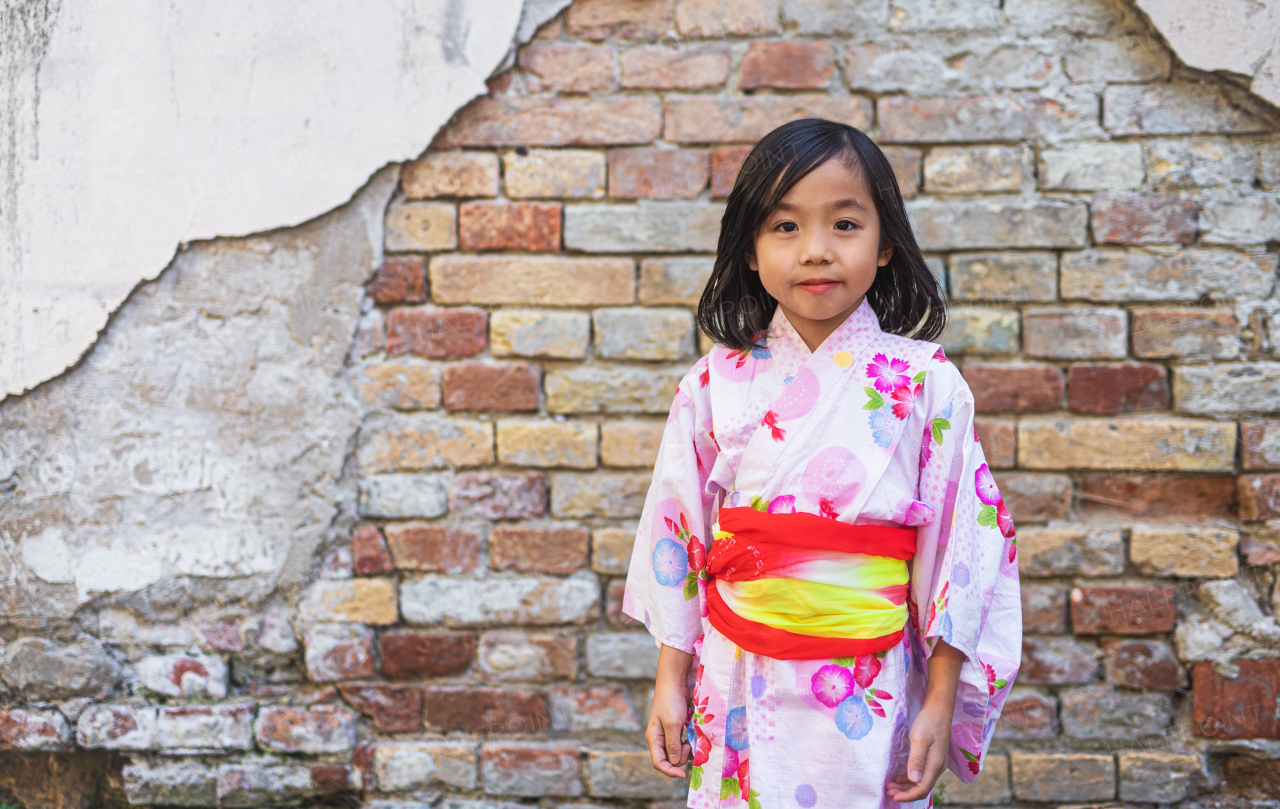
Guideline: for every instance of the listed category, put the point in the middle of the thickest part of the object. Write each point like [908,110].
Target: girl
[823,542]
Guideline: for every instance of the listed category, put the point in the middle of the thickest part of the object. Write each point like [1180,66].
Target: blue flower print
[853,718]
[735,729]
[881,429]
[670,563]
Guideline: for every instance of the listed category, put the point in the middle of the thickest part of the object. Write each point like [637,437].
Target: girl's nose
[816,249]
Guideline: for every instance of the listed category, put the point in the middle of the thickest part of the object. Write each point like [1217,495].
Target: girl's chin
[820,309]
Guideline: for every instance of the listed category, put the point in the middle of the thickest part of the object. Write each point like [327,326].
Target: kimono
[870,429]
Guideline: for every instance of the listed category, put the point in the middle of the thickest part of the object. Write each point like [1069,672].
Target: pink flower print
[744,780]
[988,492]
[992,683]
[800,395]
[783,504]
[770,420]
[704,378]
[832,685]
[939,355]
[865,669]
[697,555]
[730,767]
[1003,520]
[888,373]
[702,752]
[904,400]
[926,446]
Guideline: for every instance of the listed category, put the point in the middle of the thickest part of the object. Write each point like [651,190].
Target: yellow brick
[424,441]
[422,226]
[402,384]
[991,785]
[611,389]
[451,174]
[1063,777]
[361,601]
[1138,443]
[539,333]
[611,549]
[549,173]
[630,443]
[528,442]
[532,280]
[607,495]
[1184,551]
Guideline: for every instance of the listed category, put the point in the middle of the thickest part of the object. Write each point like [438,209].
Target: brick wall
[1102,221]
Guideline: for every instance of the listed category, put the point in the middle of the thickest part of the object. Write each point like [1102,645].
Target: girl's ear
[886,253]
[751,261]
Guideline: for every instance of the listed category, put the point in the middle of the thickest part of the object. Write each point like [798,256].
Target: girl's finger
[657,746]
[672,733]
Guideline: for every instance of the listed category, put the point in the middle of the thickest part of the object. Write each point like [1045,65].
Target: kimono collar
[790,352]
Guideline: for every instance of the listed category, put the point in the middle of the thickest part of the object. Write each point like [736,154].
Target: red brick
[338,652]
[438,333]
[1146,664]
[484,710]
[33,730]
[1014,388]
[538,550]
[414,655]
[314,729]
[999,441]
[726,162]
[1028,715]
[327,779]
[687,68]
[613,604]
[531,770]
[1259,550]
[1075,334]
[1242,708]
[1261,442]
[1044,608]
[1256,780]
[444,548]
[400,279]
[490,387]
[224,636]
[623,19]
[394,708]
[794,64]
[1195,334]
[567,68]
[1057,660]
[499,496]
[1035,496]
[1143,220]
[655,173]
[1259,497]
[1156,498]
[362,760]
[906,164]
[1104,389]
[1101,609]
[533,226]
[369,552]
[541,121]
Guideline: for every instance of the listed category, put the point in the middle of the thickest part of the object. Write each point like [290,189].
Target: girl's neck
[815,332]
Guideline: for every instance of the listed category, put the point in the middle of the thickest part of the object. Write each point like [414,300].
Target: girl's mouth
[817,286]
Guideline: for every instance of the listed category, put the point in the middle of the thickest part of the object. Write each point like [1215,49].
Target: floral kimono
[869,429]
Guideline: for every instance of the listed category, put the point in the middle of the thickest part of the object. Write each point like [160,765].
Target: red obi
[800,586]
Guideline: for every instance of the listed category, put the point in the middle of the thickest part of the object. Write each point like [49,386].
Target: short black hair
[735,308]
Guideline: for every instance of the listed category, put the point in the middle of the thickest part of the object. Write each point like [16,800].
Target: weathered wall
[127,128]
[434,607]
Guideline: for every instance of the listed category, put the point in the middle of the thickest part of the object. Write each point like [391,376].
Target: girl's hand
[930,739]
[669,713]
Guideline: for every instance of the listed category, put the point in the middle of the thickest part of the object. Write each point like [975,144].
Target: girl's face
[818,252]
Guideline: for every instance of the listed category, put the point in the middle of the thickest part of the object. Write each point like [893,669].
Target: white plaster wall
[130,126]
[1242,36]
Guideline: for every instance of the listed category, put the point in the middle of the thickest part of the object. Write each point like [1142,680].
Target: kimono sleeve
[965,574]
[664,589]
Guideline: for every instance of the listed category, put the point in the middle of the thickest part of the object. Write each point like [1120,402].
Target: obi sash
[800,586]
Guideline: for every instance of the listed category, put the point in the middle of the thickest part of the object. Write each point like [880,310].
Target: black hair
[735,308]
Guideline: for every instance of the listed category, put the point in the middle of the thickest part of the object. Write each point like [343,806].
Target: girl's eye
[845,224]
[787,227]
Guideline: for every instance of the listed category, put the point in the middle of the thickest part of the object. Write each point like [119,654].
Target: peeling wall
[127,128]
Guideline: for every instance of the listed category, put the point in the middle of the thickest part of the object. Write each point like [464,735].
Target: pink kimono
[869,428]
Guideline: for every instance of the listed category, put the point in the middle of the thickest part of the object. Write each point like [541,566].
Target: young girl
[823,542]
